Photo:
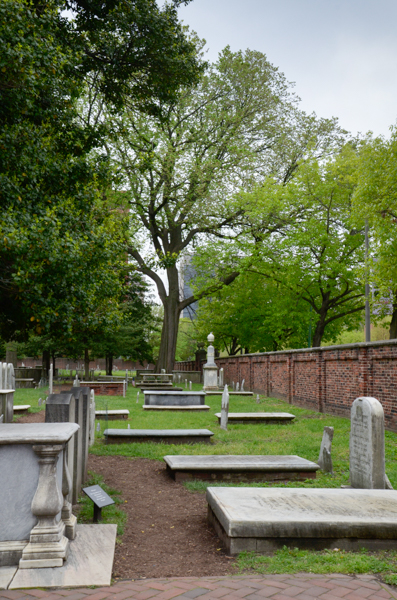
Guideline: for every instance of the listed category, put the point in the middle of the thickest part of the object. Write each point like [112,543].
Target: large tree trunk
[109,364]
[46,362]
[86,365]
[393,324]
[169,334]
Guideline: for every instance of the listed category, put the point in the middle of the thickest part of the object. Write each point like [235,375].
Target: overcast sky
[341,54]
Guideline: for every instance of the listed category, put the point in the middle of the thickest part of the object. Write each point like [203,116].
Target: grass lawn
[301,437]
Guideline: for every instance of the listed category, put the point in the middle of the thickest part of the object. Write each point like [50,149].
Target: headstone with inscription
[324,459]
[225,408]
[367,444]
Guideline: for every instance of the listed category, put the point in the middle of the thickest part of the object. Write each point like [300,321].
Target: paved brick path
[276,587]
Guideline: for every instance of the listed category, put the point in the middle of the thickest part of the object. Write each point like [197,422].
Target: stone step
[176,408]
[265,519]
[259,417]
[112,415]
[240,468]
[165,436]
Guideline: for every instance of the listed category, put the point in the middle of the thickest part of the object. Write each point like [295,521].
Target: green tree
[375,199]
[319,257]
[181,172]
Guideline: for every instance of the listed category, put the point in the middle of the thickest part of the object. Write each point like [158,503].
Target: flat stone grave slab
[231,393]
[21,408]
[159,388]
[161,436]
[265,519]
[258,417]
[198,407]
[172,398]
[112,415]
[240,468]
[90,562]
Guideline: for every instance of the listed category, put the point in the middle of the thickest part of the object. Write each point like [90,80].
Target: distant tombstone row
[75,406]
[7,387]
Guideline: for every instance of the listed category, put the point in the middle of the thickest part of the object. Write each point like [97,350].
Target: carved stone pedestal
[48,546]
[210,369]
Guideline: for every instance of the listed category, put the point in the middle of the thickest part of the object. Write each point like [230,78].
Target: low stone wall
[326,379]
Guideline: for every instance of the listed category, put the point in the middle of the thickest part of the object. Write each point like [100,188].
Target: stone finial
[211,338]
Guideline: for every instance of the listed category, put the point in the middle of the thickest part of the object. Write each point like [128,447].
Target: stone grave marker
[225,408]
[78,443]
[50,379]
[185,384]
[324,459]
[91,435]
[85,425]
[137,397]
[190,385]
[257,399]
[210,369]
[367,444]
[237,387]
[221,378]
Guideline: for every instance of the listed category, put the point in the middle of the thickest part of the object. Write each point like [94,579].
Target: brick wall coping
[316,349]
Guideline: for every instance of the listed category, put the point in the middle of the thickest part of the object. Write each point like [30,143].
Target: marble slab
[89,563]
[231,393]
[173,398]
[261,520]
[168,436]
[197,407]
[18,408]
[36,433]
[258,417]
[240,467]
[112,415]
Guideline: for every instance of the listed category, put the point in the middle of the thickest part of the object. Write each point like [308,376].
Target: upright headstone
[225,408]
[242,385]
[50,379]
[237,387]
[91,435]
[190,385]
[324,459]
[210,370]
[257,399]
[233,385]
[137,397]
[78,443]
[76,382]
[367,444]
[86,429]
[185,384]
[162,370]
[221,378]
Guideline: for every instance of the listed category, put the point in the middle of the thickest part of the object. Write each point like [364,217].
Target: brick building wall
[325,379]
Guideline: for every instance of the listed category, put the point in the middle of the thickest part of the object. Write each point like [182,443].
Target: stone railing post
[47,547]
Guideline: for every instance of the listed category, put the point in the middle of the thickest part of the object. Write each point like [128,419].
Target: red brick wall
[325,379]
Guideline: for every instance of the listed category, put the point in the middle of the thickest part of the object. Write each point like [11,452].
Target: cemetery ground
[162,525]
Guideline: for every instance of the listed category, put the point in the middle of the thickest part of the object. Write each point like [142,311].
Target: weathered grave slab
[21,408]
[264,519]
[231,392]
[90,562]
[240,468]
[112,415]
[172,398]
[163,436]
[258,417]
[367,444]
[198,407]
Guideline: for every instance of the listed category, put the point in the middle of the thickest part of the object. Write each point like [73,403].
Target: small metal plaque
[98,496]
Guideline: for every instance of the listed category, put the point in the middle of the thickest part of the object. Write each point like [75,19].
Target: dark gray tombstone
[86,427]
[78,442]
[60,408]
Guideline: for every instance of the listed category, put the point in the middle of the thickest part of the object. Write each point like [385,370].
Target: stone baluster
[67,516]
[48,546]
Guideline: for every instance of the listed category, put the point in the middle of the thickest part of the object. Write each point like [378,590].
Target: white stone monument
[324,459]
[367,444]
[225,408]
[237,387]
[210,369]
[221,378]
[242,385]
